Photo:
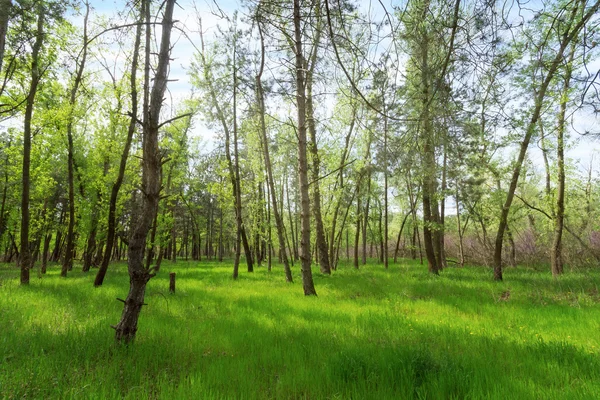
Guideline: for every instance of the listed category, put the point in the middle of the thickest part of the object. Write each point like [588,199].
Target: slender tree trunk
[365,223]
[441,229]
[68,260]
[358,223]
[47,240]
[384,249]
[321,241]
[233,164]
[5,10]
[400,235]
[340,186]
[90,248]
[25,256]
[461,250]
[291,219]
[151,166]
[267,157]
[307,280]
[3,214]
[114,194]
[556,260]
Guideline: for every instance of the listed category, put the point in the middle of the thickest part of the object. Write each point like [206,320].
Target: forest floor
[370,334]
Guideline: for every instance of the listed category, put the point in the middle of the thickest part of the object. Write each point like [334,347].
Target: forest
[299,199]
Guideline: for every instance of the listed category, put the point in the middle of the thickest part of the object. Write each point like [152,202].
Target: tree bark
[556,260]
[68,260]
[25,256]
[307,280]
[384,249]
[114,194]
[321,241]
[151,166]
[267,157]
[5,9]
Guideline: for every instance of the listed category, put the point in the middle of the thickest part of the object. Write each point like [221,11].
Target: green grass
[371,334]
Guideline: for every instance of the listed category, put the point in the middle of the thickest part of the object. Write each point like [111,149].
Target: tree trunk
[340,186]
[232,164]
[47,240]
[25,256]
[358,223]
[365,223]
[321,241]
[68,260]
[114,194]
[151,166]
[5,9]
[384,249]
[556,260]
[291,219]
[307,280]
[267,157]
[461,251]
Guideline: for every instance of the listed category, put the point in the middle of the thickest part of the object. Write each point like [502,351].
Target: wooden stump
[172,282]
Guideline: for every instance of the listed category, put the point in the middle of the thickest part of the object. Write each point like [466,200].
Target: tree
[260,97]
[116,187]
[139,274]
[305,255]
[569,29]
[80,66]
[25,260]
[5,9]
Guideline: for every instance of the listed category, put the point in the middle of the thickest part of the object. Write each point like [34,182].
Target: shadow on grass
[241,342]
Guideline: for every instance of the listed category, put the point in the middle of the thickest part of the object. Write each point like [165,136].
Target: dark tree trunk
[25,256]
[114,194]
[271,182]
[340,187]
[307,280]
[90,249]
[358,223]
[291,219]
[400,235]
[47,240]
[5,9]
[321,241]
[556,259]
[384,249]
[365,223]
[68,261]
[151,167]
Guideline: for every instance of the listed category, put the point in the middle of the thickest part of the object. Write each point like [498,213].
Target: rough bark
[151,167]
[305,257]
[25,256]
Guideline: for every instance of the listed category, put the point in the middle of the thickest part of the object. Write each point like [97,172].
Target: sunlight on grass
[371,333]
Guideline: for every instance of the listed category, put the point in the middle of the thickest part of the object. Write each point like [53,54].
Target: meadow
[370,334]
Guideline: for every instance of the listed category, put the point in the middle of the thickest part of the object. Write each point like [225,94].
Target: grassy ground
[371,334]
